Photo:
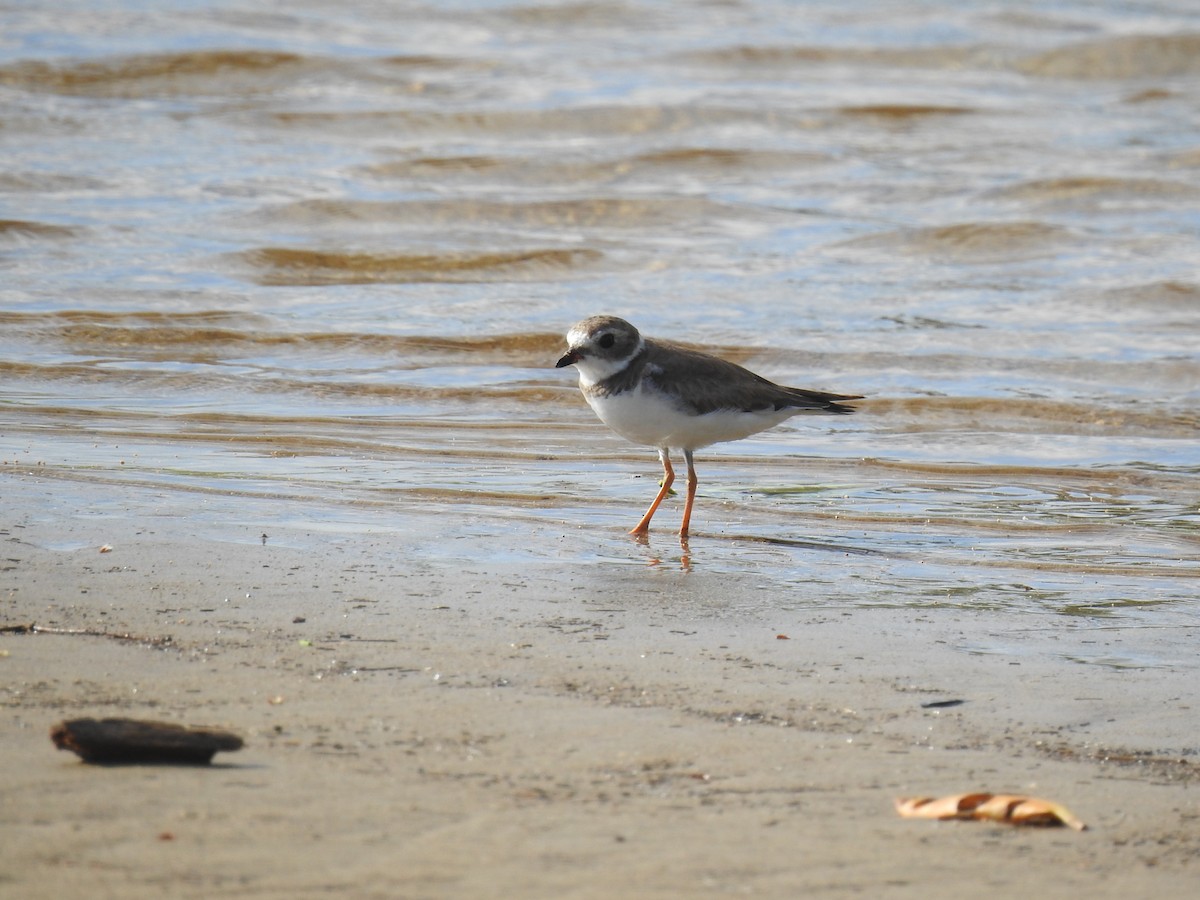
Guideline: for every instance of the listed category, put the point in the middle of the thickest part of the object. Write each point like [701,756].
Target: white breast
[647,416]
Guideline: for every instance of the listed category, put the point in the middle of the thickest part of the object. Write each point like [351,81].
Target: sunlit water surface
[319,258]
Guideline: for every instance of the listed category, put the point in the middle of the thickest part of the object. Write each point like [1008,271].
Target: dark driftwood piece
[32,628]
[115,741]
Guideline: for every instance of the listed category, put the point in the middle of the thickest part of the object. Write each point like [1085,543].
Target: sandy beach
[508,730]
[284,450]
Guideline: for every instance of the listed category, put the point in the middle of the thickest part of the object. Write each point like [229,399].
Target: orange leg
[691,494]
[668,479]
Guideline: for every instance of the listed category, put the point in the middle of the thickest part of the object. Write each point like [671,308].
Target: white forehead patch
[576,336]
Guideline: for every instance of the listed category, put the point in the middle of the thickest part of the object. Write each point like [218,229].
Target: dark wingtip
[842,408]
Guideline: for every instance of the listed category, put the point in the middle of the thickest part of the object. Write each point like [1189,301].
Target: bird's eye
[607,340]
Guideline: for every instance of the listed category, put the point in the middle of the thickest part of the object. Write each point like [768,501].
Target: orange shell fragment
[1012,809]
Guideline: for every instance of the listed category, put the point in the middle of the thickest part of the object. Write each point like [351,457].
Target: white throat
[593,369]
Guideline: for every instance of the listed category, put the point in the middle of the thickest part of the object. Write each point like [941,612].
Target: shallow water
[320,258]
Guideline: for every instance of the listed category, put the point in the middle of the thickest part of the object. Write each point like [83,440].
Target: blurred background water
[319,257]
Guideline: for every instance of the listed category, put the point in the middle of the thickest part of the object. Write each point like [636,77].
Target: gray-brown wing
[703,384]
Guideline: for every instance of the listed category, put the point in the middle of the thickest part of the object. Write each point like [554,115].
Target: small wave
[801,55]
[1021,415]
[134,332]
[203,381]
[556,215]
[971,242]
[1159,301]
[232,73]
[654,166]
[601,121]
[22,228]
[1131,56]
[902,112]
[426,166]
[33,182]
[1186,159]
[585,13]
[291,266]
[211,335]
[55,317]
[1092,192]
[1159,295]
[148,75]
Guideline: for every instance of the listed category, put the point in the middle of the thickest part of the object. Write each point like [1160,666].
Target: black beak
[568,359]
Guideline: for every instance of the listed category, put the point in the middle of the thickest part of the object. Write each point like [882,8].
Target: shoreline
[423,728]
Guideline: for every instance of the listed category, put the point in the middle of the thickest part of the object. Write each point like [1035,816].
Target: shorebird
[665,395]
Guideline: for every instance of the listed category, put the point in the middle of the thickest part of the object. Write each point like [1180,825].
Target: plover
[668,396]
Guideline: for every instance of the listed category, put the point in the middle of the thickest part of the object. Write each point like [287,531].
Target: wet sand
[516,729]
[304,273]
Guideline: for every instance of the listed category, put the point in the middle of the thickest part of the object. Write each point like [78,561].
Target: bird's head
[600,346]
